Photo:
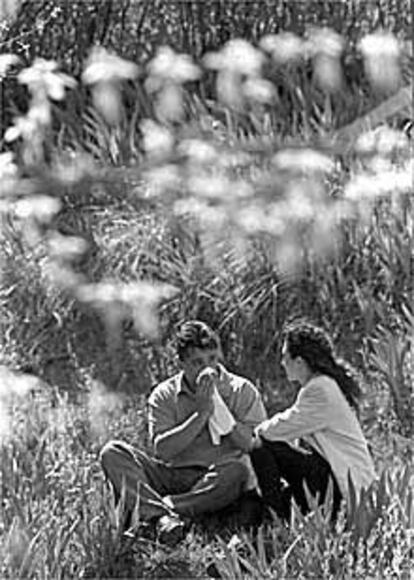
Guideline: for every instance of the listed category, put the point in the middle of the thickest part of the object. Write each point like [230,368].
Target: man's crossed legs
[162,490]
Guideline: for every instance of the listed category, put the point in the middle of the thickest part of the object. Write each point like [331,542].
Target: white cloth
[221,422]
[322,417]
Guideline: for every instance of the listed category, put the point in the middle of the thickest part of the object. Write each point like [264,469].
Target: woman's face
[291,365]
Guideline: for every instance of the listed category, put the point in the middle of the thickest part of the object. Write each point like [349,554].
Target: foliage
[58,521]
[362,547]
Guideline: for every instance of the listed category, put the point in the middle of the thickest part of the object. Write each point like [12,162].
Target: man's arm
[242,436]
[249,413]
[175,440]
[172,440]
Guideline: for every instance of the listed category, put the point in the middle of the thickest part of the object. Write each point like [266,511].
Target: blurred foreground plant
[290,196]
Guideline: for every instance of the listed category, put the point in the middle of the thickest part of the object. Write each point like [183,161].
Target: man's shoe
[146,530]
[170,530]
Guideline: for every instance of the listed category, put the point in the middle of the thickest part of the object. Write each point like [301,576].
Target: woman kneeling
[323,418]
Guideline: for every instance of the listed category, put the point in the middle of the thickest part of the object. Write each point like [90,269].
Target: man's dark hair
[195,334]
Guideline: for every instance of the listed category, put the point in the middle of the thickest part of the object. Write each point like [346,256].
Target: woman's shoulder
[322,384]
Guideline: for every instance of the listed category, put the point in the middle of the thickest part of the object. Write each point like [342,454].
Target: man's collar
[183,385]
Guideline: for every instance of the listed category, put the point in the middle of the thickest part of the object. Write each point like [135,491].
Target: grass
[58,521]
[222,210]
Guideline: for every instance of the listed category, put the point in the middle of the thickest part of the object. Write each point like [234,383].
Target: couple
[212,441]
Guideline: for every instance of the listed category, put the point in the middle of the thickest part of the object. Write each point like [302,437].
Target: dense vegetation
[139,191]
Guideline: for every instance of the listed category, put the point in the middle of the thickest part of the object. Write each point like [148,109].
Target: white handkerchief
[221,421]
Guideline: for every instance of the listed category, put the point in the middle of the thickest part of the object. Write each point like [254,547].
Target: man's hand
[206,382]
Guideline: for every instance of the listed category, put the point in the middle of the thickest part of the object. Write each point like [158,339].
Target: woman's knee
[235,471]
[262,456]
[113,450]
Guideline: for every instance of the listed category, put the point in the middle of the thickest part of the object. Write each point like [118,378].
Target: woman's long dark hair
[314,345]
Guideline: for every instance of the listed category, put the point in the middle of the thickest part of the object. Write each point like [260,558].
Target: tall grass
[58,519]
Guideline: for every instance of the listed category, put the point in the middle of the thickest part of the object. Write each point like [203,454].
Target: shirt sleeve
[308,414]
[249,409]
[161,411]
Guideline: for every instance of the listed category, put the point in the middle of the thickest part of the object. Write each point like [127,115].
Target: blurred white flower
[383,140]
[139,300]
[233,159]
[8,10]
[389,181]
[103,406]
[145,299]
[301,203]
[198,151]
[61,275]
[208,186]
[40,113]
[24,127]
[8,169]
[169,104]
[65,246]
[407,47]
[31,127]
[259,90]
[239,56]
[167,65]
[106,97]
[71,167]
[6,61]
[255,218]
[158,141]
[285,47]
[303,160]
[218,187]
[162,179]
[190,206]
[12,385]
[211,218]
[288,255]
[8,176]
[104,67]
[326,47]
[44,80]
[229,89]
[104,72]
[251,218]
[40,207]
[325,41]
[103,292]
[381,53]
[168,71]
[236,60]
[324,234]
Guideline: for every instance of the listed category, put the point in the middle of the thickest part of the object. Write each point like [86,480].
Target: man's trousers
[160,488]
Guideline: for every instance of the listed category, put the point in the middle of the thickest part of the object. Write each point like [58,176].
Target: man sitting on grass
[201,422]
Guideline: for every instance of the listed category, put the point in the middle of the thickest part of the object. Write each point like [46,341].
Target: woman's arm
[308,414]
[249,413]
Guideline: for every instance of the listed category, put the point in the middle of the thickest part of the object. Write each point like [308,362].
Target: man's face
[196,360]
